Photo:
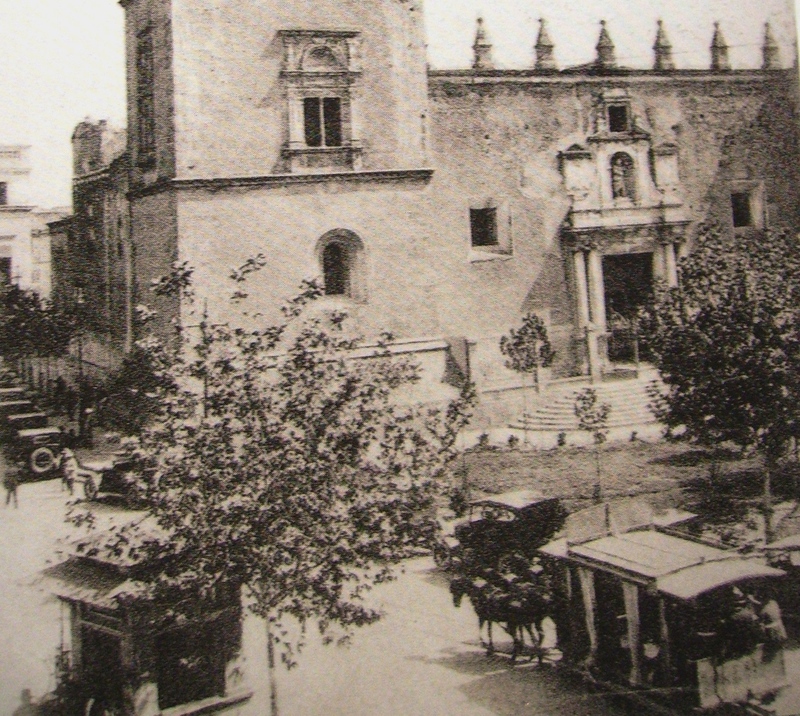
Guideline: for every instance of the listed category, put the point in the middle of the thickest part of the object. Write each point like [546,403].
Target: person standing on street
[27,707]
[11,482]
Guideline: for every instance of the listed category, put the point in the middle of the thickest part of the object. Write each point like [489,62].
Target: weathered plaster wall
[231,110]
[154,238]
[497,142]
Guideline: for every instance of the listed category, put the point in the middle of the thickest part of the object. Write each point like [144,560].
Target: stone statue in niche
[623,180]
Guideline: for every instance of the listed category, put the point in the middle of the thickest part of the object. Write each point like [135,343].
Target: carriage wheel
[41,460]
[90,487]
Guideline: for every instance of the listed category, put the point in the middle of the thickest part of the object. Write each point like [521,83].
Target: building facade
[439,205]
[93,248]
[24,239]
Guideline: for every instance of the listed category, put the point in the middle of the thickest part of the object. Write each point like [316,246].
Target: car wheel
[41,460]
[90,487]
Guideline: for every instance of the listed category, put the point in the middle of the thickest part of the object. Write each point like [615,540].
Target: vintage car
[17,392]
[112,476]
[16,406]
[37,449]
[22,421]
[643,611]
[515,522]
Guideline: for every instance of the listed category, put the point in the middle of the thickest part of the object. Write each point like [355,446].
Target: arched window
[341,255]
[623,177]
[336,270]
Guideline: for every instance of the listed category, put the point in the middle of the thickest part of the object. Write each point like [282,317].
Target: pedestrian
[27,707]
[70,403]
[68,464]
[11,482]
[59,395]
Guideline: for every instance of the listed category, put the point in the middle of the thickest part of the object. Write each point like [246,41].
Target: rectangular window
[483,225]
[322,117]
[618,118]
[742,215]
[3,193]
[5,271]
[145,99]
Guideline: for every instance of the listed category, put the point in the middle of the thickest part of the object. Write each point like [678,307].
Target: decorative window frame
[301,81]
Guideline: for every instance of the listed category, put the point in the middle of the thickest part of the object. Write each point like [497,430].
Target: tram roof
[679,567]
[517,499]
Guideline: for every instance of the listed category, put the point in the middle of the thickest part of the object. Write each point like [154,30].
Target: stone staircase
[553,411]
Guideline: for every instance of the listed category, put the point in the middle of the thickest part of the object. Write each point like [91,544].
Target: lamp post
[79,302]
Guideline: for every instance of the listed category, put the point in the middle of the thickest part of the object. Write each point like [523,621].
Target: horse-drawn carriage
[498,525]
[638,606]
[492,559]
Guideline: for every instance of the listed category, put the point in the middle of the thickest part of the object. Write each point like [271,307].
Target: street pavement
[423,658]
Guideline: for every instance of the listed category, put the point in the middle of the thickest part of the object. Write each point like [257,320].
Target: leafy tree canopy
[527,348]
[31,326]
[282,460]
[727,341]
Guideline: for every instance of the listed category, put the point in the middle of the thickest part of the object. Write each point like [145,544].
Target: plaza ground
[424,656]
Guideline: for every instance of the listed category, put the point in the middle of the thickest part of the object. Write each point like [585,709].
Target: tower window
[145,98]
[323,121]
[742,214]
[3,193]
[618,118]
[623,177]
[483,226]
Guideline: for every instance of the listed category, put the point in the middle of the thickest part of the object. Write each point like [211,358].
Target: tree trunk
[273,683]
[524,410]
[767,500]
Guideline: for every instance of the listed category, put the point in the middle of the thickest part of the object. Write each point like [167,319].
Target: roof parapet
[719,51]
[482,48]
[545,59]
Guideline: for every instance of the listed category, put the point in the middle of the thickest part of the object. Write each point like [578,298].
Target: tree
[282,461]
[593,419]
[527,350]
[22,322]
[727,344]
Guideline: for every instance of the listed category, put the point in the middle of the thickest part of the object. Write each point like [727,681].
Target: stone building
[24,239]
[441,205]
[94,244]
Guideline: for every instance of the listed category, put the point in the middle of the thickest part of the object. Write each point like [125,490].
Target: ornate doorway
[627,285]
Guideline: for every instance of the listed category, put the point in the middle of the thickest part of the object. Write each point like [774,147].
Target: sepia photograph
[399,358]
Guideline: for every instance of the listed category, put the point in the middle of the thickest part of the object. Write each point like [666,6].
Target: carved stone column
[671,265]
[597,299]
[581,288]
[296,122]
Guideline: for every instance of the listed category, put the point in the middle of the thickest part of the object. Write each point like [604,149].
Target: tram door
[613,654]
[101,662]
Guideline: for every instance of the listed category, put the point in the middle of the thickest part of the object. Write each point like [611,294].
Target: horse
[518,606]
